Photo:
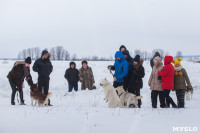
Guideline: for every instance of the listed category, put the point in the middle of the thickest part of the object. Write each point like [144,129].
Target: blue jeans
[71,86]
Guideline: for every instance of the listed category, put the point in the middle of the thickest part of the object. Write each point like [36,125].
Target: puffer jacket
[121,67]
[154,83]
[43,66]
[167,74]
[71,74]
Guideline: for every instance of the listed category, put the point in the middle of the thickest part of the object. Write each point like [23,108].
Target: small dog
[110,95]
[127,98]
[37,96]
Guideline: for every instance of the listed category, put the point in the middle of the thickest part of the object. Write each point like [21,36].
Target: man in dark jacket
[151,61]
[44,68]
[127,79]
[71,75]
[16,78]
[136,82]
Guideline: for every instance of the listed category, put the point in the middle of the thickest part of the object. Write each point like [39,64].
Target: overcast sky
[99,27]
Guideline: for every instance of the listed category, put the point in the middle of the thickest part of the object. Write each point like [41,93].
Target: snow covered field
[86,112]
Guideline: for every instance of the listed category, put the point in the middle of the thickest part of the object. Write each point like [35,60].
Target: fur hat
[28,60]
[137,58]
[177,62]
[84,62]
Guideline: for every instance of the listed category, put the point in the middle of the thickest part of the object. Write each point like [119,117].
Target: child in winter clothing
[71,75]
[136,82]
[16,78]
[167,80]
[155,84]
[180,80]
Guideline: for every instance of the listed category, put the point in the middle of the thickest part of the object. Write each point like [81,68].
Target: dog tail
[139,97]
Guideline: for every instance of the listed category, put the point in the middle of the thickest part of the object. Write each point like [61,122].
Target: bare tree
[19,56]
[53,53]
[94,58]
[74,57]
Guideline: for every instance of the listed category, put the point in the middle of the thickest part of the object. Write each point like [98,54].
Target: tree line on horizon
[59,53]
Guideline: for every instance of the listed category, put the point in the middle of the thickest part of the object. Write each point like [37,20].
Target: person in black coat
[44,68]
[136,82]
[152,60]
[127,79]
[71,75]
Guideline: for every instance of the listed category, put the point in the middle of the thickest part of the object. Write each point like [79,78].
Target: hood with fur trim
[45,52]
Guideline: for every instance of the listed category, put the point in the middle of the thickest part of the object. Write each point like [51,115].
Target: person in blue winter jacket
[121,68]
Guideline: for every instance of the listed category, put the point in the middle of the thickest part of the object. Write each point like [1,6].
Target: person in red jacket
[167,80]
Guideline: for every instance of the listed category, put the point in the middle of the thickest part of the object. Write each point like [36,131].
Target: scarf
[178,71]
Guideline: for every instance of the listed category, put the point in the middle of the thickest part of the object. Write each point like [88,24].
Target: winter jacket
[130,69]
[154,83]
[121,67]
[167,74]
[18,74]
[71,74]
[43,66]
[152,62]
[136,81]
[86,78]
[180,80]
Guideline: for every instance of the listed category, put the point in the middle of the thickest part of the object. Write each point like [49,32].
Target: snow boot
[172,103]
[22,103]
[49,103]
[12,103]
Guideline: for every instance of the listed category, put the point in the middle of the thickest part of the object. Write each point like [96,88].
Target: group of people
[44,68]
[129,73]
[163,79]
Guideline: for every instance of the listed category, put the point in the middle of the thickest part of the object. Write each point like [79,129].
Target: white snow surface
[87,112]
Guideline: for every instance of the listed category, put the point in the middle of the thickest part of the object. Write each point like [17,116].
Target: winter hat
[137,58]
[84,62]
[122,46]
[28,60]
[72,63]
[177,62]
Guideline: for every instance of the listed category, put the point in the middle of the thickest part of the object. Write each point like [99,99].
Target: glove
[115,79]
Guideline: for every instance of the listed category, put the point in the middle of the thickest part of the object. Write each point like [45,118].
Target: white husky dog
[111,95]
[127,98]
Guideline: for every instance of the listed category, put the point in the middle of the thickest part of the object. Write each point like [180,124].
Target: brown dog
[39,97]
